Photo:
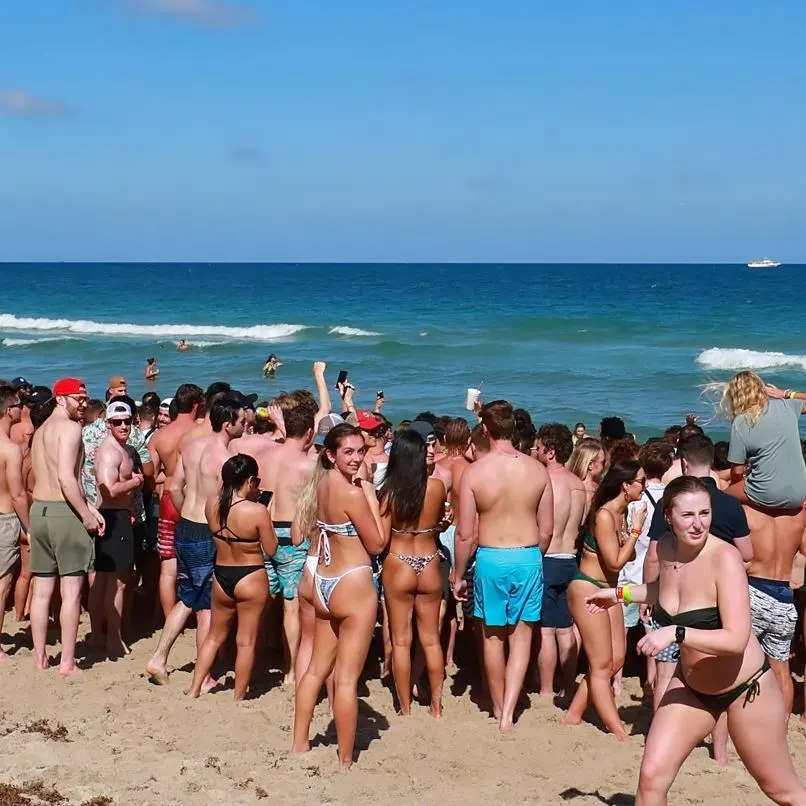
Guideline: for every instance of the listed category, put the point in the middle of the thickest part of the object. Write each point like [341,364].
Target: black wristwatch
[679,634]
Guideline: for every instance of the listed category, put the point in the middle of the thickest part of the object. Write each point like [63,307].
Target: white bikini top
[343,529]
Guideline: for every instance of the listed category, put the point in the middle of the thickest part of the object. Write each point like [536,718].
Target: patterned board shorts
[773,623]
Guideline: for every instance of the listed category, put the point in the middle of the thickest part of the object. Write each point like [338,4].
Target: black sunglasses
[126,421]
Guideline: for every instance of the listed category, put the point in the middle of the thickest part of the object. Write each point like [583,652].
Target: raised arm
[325,404]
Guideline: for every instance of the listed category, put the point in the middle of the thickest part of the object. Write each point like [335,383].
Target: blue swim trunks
[509,585]
[285,568]
[195,558]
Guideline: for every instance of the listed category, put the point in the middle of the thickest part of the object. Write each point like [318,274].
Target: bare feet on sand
[158,675]
[436,710]
[69,671]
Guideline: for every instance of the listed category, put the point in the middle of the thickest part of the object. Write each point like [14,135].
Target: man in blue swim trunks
[511,495]
[285,470]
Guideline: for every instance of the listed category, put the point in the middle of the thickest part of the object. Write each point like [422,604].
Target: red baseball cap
[69,386]
[367,421]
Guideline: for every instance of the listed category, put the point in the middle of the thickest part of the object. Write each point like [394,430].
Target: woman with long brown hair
[607,546]
[412,507]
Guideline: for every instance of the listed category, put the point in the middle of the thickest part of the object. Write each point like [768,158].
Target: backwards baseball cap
[69,386]
[326,424]
[367,421]
[245,401]
[422,428]
[165,403]
[16,383]
[38,396]
[119,409]
[117,380]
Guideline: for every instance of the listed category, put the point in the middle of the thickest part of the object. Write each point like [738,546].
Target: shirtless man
[513,498]
[196,478]
[285,471]
[13,500]
[215,391]
[114,552]
[456,439]
[61,522]
[23,429]
[554,447]
[375,458]
[118,386]
[164,450]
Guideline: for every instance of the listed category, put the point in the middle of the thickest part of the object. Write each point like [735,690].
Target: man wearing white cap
[114,552]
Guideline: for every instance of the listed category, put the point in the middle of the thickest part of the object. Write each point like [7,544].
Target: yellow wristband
[627,595]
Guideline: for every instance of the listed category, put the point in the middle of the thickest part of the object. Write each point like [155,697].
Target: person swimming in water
[271,366]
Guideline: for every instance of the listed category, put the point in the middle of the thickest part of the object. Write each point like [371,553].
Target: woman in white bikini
[412,508]
[345,597]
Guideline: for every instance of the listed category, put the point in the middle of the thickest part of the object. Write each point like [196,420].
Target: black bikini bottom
[721,702]
[228,576]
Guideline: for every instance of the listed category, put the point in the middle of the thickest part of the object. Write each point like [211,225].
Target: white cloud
[206,12]
[16,102]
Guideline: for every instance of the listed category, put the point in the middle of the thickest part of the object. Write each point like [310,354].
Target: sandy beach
[135,743]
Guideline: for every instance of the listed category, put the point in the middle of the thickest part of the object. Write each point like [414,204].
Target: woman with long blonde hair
[587,462]
[768,475]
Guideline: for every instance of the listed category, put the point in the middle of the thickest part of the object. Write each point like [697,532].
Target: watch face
[680,634]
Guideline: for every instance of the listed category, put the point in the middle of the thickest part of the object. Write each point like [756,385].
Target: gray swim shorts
[773,622]
[9,542]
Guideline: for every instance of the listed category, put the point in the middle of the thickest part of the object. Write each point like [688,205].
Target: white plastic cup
[473,397]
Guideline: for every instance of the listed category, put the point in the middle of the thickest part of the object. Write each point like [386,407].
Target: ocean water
[568,342]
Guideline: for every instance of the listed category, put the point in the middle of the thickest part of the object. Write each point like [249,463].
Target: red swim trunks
[166,526]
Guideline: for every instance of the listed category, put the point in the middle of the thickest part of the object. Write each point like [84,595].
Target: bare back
[569,510]
[508,489]
[285,470]
[202,461]
[405,542]
[164,445]
[775,543]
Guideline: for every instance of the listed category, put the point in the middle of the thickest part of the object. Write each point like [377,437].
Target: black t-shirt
[728,520]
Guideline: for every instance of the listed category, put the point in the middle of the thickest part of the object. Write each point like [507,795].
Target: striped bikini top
[344,529]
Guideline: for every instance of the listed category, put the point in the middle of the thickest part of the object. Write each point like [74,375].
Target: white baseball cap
[119,409]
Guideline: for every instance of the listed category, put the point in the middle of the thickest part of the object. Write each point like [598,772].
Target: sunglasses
[14,406]
[118,423]
[642,482]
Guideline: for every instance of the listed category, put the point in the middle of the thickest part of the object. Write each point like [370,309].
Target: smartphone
[380,393]
[265,497]
[342,378]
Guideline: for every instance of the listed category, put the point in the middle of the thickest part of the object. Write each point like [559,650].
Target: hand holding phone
[265,497]
[342,379]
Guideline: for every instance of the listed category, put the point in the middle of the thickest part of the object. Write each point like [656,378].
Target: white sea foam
[352,331]
[8,321]
[27,342]
[738,358]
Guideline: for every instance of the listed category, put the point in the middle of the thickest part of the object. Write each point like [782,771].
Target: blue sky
[413,130]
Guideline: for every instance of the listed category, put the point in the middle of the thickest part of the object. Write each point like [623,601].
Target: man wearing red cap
[61,520]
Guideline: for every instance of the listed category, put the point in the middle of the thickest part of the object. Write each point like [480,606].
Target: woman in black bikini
[702,602]
[607,546]
[412,508]
[243,532]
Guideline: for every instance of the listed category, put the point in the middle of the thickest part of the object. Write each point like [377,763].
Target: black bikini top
[704,618]
[234,538]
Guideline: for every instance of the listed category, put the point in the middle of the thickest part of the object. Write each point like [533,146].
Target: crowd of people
[542,547]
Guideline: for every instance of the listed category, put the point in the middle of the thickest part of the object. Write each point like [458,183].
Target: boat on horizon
[764,263]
